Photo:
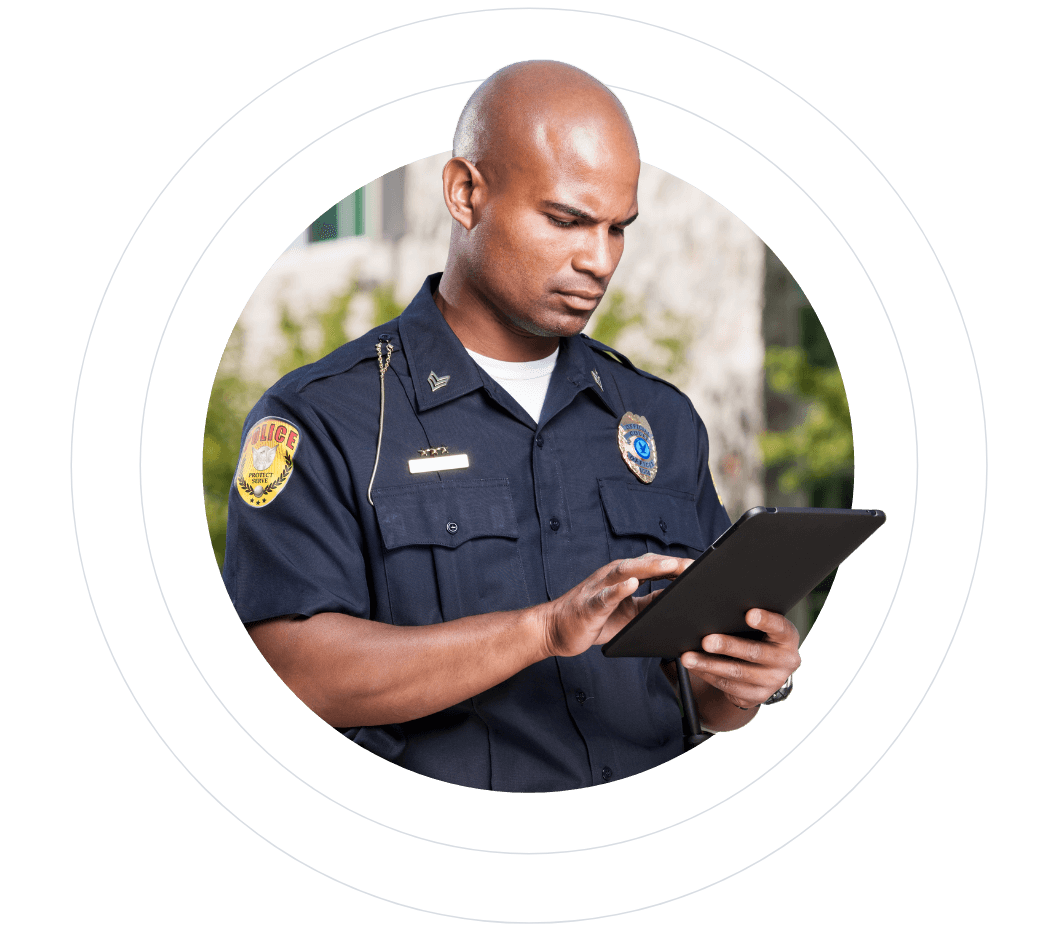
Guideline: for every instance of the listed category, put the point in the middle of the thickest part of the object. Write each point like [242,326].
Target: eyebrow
[573,211]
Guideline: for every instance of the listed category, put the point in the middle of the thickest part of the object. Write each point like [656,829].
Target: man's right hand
[599,607]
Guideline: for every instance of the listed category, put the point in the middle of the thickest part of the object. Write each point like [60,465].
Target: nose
[598,252]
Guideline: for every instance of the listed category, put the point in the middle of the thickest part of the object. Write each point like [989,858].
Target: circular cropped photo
[510,457]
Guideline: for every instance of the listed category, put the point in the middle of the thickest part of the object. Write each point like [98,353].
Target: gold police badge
[635,439]
[267,460]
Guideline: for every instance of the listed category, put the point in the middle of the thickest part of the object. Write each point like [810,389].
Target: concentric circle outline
[773,80]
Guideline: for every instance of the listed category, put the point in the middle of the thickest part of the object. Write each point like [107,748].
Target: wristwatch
[783,693]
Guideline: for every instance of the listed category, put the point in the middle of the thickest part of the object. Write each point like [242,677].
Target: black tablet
[771,558]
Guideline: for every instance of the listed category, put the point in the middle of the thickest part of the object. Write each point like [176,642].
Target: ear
[464,190]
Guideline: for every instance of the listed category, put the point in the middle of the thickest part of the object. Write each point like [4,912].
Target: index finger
[775,627]
[648,565]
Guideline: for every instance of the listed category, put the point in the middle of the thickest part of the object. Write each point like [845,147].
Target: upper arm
[313,656]
[301,552]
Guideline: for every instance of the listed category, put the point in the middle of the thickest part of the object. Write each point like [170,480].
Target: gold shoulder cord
[383,367]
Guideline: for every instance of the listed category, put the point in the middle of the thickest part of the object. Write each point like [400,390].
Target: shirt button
[554,523]
[661,523]
[580,696]
[452,528]
[607,773]
[540,442]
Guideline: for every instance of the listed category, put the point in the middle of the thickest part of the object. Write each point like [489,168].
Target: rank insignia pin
[598,380]
[635,439]
[437,382]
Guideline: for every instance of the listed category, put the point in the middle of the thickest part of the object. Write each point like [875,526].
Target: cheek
[526,252]
[545,249]
[518,256]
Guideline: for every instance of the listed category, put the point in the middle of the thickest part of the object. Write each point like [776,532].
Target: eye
[560,223]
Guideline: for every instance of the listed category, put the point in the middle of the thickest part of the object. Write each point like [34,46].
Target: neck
[482,328]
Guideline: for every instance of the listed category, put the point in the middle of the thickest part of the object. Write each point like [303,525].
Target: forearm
[355,672]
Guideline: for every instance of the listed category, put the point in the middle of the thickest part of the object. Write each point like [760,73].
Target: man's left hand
[746,672]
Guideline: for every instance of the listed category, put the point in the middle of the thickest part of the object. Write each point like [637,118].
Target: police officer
[432,530]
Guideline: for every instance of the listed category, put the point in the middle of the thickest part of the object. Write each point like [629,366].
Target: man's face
[552,231]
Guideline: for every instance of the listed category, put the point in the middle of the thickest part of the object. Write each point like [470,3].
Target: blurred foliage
[666,346]
[229,402]
[304,341]
[815,456]
[820,447]
[615,315]
[385,305]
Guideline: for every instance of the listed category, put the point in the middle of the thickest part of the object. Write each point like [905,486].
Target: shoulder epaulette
[602,349]
[343,358]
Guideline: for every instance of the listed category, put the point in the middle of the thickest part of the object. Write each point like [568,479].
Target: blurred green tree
[816,455]
[817,451]
[229,402]
[662,352]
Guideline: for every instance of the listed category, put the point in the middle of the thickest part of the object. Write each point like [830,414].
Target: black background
[138,113]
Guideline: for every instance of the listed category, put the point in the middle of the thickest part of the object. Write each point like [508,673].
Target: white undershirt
[526,382]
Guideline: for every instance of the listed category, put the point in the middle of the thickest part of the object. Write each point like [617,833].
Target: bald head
[541,187]
[532,106]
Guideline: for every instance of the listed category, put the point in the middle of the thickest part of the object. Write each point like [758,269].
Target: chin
[555,327]
[549,324]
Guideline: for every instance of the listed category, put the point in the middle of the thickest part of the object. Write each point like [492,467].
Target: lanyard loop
[383,367]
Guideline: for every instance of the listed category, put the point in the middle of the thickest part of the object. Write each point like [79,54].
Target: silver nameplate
[438,463]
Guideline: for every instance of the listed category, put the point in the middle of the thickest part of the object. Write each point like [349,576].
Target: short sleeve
[295,549]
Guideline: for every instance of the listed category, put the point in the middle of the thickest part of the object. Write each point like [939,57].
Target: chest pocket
[645,519]
[451,549]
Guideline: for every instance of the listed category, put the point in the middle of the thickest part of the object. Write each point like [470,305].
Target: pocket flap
[665,515]
[445,513]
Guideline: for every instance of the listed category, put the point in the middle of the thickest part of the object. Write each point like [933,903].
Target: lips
[582,300]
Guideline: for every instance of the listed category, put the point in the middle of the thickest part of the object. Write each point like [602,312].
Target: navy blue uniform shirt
[540,508]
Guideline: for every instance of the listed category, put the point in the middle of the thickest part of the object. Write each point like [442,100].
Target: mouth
[581,300]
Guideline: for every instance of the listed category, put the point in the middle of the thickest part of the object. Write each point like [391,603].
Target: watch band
[783,693]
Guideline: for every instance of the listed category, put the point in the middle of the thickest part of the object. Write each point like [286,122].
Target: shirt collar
[577,370]
[442,370]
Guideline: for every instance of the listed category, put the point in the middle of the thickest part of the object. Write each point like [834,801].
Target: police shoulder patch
[267,460]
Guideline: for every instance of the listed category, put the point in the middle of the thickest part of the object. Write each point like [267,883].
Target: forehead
[591,164]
